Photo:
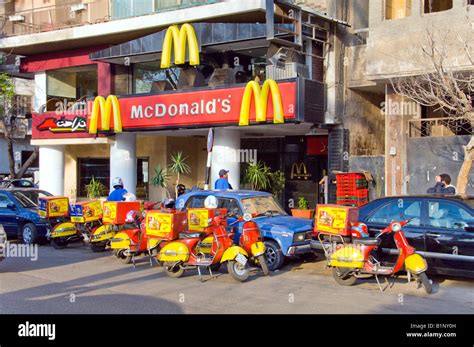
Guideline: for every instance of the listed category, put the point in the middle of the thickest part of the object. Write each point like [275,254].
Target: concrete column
[40,91]
[226,155]
[123,160]
[51,169]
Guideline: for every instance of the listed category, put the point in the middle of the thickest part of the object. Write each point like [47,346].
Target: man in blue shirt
[118,193]
[222,183]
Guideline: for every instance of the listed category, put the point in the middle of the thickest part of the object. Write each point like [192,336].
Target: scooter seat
[194,235]
[369,241]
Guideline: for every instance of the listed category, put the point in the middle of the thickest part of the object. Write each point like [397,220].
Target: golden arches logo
[299,171]
[179,38]
[103,109]
[261,99]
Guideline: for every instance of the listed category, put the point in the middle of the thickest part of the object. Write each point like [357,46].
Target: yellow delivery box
[164,225]
[335,219]
[198,218]
[85,211]
[53,206]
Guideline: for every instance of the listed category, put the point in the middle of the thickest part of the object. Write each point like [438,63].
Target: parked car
[283,235]
[442,229]
[18,183]
[19,216]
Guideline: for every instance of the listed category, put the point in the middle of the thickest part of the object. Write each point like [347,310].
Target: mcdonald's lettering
[260,96]
[179,38]
[103,109]
[299,171]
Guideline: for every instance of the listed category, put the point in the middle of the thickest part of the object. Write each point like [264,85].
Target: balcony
[132,8]
[48,18]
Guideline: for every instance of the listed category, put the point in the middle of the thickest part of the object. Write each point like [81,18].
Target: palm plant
[178,167]
[258,175]
[160,178]
[95,189]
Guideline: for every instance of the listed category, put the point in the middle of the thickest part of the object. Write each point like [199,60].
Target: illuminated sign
[103,109]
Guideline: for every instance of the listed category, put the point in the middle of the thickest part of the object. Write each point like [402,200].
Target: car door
[398,209]
[447,236]
[8,216]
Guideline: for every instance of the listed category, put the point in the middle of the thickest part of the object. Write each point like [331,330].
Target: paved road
[75,280]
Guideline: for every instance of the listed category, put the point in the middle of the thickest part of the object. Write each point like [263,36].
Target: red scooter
[350,261]
[129,243]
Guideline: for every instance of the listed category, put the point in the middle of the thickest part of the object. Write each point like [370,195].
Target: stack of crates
[352,189]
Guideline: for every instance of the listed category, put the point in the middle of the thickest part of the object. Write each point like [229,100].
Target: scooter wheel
[263,264]
[98,246]
[426,283]
[124,259]
[173,270]
[342,277]
[238,271]
[59,243]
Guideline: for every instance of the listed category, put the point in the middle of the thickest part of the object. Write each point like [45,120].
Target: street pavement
[75,280]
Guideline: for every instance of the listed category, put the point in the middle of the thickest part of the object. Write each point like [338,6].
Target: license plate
[241,259]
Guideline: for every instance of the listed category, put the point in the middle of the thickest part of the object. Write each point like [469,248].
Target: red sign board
[202,108]
[317,145]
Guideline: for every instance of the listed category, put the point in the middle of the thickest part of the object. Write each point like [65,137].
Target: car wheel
[274,255]
[29,234]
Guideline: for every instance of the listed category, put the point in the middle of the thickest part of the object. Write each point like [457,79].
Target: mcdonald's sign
[180,38]
[299,171]
[260,95]
[103,109]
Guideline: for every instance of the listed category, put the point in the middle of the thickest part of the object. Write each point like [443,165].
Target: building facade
[255,71]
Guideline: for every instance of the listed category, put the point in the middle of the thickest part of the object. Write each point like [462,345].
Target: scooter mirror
[247,216]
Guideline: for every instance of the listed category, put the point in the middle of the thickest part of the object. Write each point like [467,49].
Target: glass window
[69,85]
[4,201]
[398,210]
[231,205]
[195,202]
[448,215]
[395,9]
[98,168]
[142,178]
[262,204]
[437,5]
[29,198]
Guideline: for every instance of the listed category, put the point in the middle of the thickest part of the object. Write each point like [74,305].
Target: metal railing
[42,19]
[77,13]
[439,127]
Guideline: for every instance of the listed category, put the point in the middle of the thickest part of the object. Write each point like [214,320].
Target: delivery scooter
[352,260]
[132,242]
[186,252]
[251,241]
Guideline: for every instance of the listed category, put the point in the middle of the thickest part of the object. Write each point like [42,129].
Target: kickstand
[378,283]
[133,261]
[200,274]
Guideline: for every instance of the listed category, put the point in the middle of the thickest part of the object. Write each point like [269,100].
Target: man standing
[222,183]
[443,185]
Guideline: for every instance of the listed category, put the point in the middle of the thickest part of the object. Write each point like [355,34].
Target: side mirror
[11,206]
[470,227]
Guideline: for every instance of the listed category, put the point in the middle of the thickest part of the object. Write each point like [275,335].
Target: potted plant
[302,210]
[160,179]
[178,167]
[95,189]
[257,176]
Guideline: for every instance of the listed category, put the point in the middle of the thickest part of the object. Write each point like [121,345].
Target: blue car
[19,216]
[283,235]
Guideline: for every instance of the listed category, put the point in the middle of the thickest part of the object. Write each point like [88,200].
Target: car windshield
[29,199]
[262,205]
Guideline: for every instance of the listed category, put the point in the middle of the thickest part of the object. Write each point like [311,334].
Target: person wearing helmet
[118,193]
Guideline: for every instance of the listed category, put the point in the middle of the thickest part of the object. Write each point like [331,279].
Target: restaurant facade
[121,110]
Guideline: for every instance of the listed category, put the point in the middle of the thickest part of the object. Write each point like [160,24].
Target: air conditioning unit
[16,18]
[78,7]
[291,70]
